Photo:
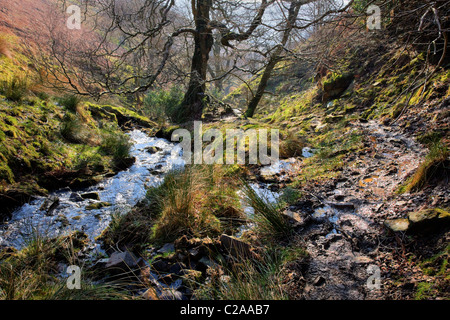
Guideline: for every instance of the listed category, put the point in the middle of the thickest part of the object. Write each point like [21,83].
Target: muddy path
[343,219]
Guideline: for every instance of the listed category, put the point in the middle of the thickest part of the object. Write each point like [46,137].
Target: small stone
[160,265]
[125,261]
[177,267]
[429,218]
[167,248]
[397,225]
[76,197]
[91,195]
[236,247]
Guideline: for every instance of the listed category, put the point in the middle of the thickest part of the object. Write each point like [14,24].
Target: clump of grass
[435,166]
[70,102]
[181,200]
[290,196]
[269,216]
[252,280]
[14,88]
[291,146]
[73,129]
[189,201]
[32,273]
[131,230]
[117,145]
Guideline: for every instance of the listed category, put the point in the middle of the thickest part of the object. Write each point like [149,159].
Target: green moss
[424,291]
[98,205]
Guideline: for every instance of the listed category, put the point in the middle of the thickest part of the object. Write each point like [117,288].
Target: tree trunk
[274,58]
[251,108]
[194,99]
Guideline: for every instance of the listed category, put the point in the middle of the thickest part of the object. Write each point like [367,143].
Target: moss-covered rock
[98,205]
[120,114]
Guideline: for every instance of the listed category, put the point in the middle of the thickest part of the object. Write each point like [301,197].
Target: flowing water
[122,191]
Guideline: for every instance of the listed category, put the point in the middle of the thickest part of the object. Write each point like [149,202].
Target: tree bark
[194,99]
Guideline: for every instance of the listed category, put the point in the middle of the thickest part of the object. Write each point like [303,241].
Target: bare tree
[124,46]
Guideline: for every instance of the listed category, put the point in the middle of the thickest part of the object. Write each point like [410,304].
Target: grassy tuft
[14,88]
[435,166]
[70,102]
[269,216]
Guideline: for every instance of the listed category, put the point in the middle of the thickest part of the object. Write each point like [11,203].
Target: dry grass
[4,47]
[190,202]
[291,146]
[435,167]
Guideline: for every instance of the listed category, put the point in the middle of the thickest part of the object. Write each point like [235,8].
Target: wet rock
[126,163]
[206,262]
[49,205]
[160,265]
[176,268]
[153,150]
[333,118]
[91,195]
[235,247]
[194,253]
[319,281]
[167,248]
[63,220]
[98,205]
[123,261]
[343,205]
[76,197]
[191,277]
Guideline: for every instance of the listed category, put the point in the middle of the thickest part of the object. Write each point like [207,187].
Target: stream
[122,192]
[154,158]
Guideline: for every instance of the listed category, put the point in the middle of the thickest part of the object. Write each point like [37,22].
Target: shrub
[162,104]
